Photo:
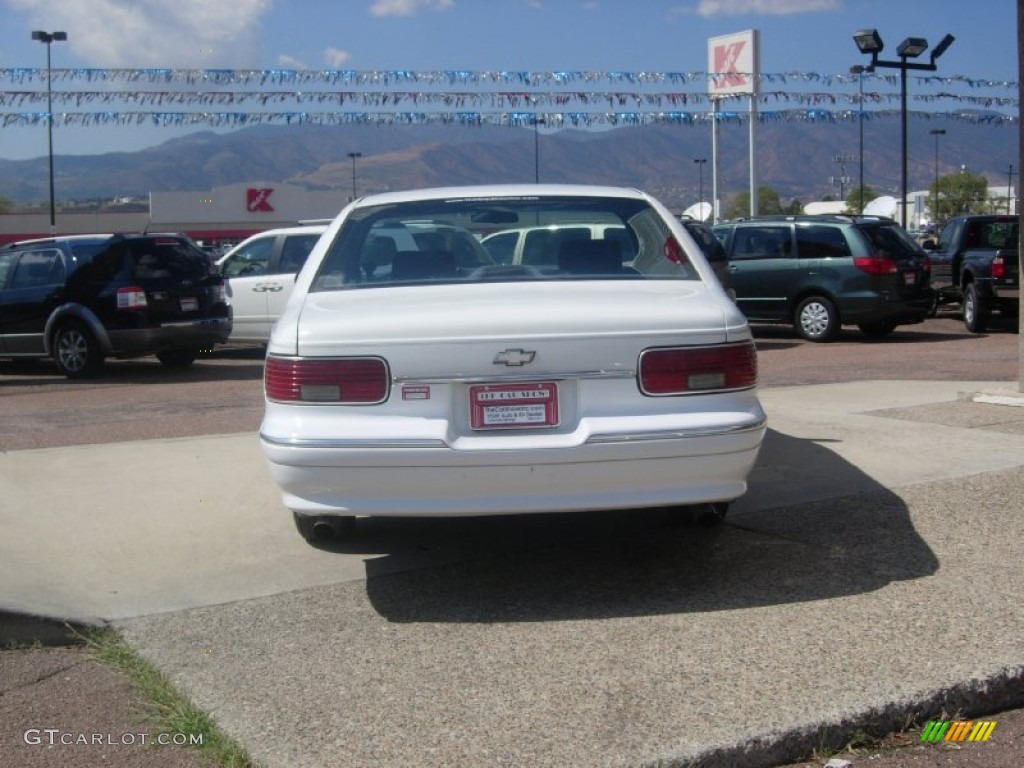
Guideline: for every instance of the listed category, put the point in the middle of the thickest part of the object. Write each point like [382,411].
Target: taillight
[220,294]
[926,265]
[998,268]
[690,370]
[131,297]
[340,380]
[875,264]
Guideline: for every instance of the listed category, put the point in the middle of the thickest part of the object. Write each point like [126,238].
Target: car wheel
[816,319]
[975,315]
[876,330]
[177,358]
[76,351]
[321,529]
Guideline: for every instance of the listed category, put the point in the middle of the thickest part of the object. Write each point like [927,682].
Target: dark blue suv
[80,299]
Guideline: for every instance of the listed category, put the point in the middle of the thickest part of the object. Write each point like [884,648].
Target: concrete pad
[659,647]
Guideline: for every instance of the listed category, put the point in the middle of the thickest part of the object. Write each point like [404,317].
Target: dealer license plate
[513,406]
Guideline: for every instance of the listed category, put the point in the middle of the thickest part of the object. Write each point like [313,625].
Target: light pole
[936,132]
[1009,190]
[536,148]
[48,38]
[859,71]
[869,41]
[842,179]
[354,155]
[700,185]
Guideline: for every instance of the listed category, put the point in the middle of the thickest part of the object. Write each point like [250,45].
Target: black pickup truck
[976,263]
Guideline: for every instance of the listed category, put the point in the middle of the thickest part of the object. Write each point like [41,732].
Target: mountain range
[798,159]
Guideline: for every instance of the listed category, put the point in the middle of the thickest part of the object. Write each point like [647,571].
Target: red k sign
[733,61]
[726,57]
[258,199]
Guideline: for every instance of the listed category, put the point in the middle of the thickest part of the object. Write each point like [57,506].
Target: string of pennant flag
[380,100]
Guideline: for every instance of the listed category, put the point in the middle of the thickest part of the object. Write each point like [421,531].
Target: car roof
[99,238]
[487,191]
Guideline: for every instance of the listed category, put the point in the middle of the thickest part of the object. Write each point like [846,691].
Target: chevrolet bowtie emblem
[514,357]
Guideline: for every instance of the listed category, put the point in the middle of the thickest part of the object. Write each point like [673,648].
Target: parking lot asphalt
[870,577]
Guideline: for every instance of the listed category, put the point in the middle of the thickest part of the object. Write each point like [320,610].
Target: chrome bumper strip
[415,444]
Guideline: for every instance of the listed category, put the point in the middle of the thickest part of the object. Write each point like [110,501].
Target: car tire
[317,529]
[177,358]
[975,313]
[876,330]
[76,351]
[816,319]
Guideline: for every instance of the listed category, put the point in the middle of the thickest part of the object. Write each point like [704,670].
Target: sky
[809,37]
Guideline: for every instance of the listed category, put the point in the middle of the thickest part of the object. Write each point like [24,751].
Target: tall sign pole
[734,64]
[1020,164]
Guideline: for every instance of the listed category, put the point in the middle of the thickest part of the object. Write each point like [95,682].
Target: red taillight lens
[998,268]
[131,297]
[875,265]
[341,380]
[688,370]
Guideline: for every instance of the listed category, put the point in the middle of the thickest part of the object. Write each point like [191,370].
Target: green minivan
[822,272]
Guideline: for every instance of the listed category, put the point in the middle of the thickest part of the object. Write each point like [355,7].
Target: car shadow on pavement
[846,535]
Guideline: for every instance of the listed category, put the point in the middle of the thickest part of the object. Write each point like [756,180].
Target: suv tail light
[689,370]
[220,294]
[998,268]
[131,297]
[875,264]
[347,380]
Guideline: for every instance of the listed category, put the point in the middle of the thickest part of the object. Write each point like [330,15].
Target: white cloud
[408,7]
[709,8]
[336,58]
[146,33]
[290,62]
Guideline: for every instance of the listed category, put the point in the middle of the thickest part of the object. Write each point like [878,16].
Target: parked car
[260,273]
[976,262]
[80,299]
[538,245]
[714,251]
[822,272]
[449,384]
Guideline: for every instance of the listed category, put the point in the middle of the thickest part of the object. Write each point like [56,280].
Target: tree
[768,203]
[6,204]
[958,193]
[853,200]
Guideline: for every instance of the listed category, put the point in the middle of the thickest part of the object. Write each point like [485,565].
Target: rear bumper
[193,334]
[879,309]
[428,478]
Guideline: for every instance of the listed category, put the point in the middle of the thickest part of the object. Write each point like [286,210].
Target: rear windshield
[506,239]
[141,258]
[891,240]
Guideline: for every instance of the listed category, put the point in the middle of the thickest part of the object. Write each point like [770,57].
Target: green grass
[167,710]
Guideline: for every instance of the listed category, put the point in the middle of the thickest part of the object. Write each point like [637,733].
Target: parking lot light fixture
[868,41]
[48,38]
[859,70]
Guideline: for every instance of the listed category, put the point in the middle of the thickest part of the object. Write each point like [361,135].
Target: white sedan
[410,375]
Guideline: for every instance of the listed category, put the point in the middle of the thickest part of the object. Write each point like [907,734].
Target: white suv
[259,274]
